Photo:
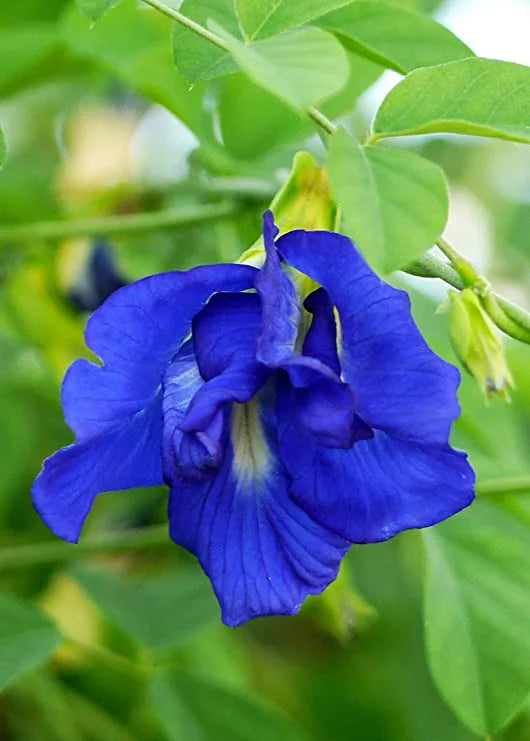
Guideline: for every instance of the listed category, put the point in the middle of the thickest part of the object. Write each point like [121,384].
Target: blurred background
[100,128]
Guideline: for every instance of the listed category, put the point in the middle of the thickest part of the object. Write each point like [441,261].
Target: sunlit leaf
[165,612]
[394,37]
[477,603]
[394,203]
[260,18]
[23,50]
[479,97]
[196,58]
[27,638]
[94,9]
[301,67]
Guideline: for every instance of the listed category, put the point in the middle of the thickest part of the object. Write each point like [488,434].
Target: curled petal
[379,487]
[279,301]
[400,385]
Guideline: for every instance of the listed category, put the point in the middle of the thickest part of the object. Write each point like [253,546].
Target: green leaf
[24,49]
[94,9]
[260,18]
[27,638]
[162,614]
[194,709]
[477,603]
[480,97]
[196,58]
[394,203]
[132,43]
[394,37]
[3,148]
[301,67]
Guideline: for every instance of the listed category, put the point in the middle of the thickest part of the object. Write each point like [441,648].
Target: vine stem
[18,556]
[213,38]
[119,224]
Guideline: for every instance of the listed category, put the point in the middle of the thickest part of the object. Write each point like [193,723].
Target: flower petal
[185,456]
[400,385]
[126,456]
[321,339]
[225,333]
[262,552]
[136,332]
[376,489]
[279,300]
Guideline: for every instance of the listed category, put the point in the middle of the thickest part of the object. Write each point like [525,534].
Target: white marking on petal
[252,457]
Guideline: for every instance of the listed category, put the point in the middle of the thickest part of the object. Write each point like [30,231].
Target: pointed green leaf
[477,604]
[195,709]
[27,638]
[394,203]
[94,9]
[394,37]
[480,97]
[162,614]
[261,18]
[301,67]
[196,58]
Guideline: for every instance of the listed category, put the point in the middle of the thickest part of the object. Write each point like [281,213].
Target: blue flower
[285,433]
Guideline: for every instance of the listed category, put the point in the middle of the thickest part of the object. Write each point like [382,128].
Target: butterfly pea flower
[285,432]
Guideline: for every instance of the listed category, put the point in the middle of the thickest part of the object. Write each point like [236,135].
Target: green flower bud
[477,343]
[303,202]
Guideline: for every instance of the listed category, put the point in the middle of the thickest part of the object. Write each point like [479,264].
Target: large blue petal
[262,552]
[401,386]
[280,304]
[376,489]
[136,332]
[115,410]
[126,456]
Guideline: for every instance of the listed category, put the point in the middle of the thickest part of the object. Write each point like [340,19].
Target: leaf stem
[119,224]
[510,485]
[19,556]
[321,120]
[213,38]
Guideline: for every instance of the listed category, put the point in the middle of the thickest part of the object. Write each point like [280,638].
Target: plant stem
[118,224]
[17,556]
[512,319]
[513,485]
[321,120]
[213,38]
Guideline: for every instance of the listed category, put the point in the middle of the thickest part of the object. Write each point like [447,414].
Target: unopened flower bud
[477,343]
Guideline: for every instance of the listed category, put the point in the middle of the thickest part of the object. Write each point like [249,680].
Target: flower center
[252,456]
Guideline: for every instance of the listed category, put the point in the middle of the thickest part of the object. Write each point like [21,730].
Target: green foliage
[261,18]
[196,59]
[191,709]
[301,68]
[479,97]
[27,639]
[393,37]
[3,148]
[477,602]
[94,9]
[163,613]
[394,203]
